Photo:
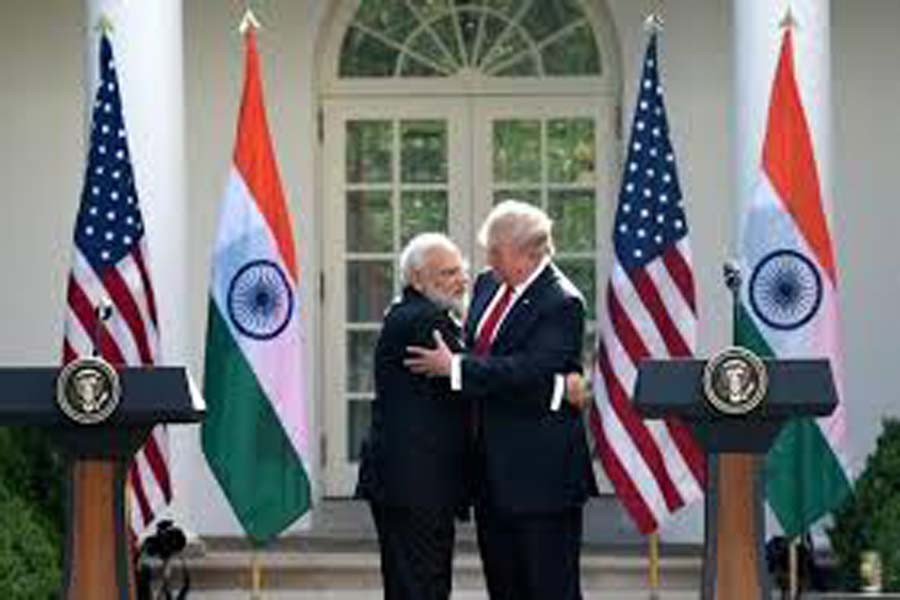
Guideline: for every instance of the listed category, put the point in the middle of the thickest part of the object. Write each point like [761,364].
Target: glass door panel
[559,154]
[395,168]
[549,153]
[392,173]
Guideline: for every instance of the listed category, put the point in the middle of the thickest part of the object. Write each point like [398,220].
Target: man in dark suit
[414,462]
[525,324]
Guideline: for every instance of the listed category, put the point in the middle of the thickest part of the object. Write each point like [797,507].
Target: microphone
[103,312]
[731,271]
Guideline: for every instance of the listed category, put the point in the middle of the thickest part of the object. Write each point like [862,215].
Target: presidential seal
[88,390]
[735,381]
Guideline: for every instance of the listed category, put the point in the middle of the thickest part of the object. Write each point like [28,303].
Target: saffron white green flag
[255,434]
[789,305]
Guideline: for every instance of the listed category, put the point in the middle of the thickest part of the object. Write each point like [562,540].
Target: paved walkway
[477,595]
[461,595]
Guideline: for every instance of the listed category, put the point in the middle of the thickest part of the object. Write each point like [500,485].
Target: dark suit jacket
[417,451]
[533,459]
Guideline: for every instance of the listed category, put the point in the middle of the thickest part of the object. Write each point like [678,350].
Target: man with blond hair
[525,325]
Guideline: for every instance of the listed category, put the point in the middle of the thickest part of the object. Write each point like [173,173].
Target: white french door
[395,167]
[558,154]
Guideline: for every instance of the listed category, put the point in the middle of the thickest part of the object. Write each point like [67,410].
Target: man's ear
[415,279]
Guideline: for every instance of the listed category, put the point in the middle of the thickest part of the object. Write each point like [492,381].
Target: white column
[757,40]
[147,43]
[146,38]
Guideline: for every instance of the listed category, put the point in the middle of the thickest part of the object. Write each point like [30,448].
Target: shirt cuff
[456,373]
[559,386]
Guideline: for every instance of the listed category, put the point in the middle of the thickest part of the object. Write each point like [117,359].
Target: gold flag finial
[788,22]
[653,23]
[104,24]
[248,20]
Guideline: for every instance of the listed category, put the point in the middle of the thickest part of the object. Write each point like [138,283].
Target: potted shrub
[870,519]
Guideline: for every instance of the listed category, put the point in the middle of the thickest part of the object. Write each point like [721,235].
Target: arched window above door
[432,111]
[443,38]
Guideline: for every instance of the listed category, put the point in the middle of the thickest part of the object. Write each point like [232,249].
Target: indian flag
[255,436]
[789,303]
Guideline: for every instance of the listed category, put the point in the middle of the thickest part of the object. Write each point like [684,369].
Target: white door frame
[339,473]
[607,142]
[470,179]
[604,112]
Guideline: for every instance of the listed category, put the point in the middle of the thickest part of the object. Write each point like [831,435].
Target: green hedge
[870,520]
[31,515]
[29,553]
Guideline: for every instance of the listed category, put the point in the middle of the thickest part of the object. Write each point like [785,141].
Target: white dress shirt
[517,292]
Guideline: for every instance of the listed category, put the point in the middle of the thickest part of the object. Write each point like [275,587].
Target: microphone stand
[731,272]
[103,312]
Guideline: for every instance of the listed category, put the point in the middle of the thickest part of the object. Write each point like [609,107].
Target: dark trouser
[416,551]
[531,556]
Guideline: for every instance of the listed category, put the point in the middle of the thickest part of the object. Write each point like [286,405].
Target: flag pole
[653,542]
[653,24]
[793,580]
[248,21]
[789,22]
[255,576]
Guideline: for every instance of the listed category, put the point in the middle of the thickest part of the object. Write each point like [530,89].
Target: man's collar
[409,292]
[520,289]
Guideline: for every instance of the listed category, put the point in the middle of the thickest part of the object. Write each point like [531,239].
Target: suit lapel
[485,289]
[452,327]
[524,311]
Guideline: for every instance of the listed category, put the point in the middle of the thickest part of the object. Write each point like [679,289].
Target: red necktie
[486,335]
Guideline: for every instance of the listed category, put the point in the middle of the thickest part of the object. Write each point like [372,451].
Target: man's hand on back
[577,392]
[425,361]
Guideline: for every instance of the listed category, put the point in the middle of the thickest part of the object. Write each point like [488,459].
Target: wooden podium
[97,557]
[734,561]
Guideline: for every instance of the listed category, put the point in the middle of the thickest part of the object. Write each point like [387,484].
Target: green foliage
[870,520]
[29,552]
[31,515]
[33,468]
[476,36]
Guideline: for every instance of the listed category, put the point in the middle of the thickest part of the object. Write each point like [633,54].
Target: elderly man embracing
[415,462]
[525,324]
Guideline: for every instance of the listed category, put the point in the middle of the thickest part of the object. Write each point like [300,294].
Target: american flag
[109,266]
[651,312]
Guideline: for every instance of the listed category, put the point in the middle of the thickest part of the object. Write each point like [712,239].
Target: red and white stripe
[656,467]
[129,337]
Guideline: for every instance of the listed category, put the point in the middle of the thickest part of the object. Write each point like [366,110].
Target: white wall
[695,59]
[41,160]
[41,150]
[214,63]
[866,101]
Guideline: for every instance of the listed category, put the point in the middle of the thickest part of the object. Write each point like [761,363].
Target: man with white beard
[418,468]
[415,468]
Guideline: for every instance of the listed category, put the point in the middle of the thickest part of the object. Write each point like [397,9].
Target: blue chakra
[260,300]
[785,290]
